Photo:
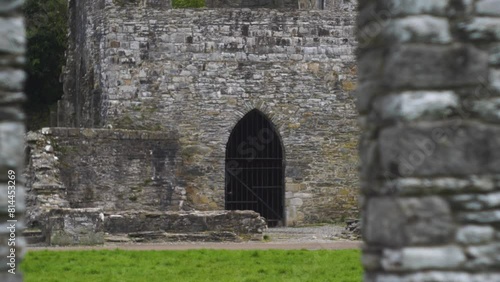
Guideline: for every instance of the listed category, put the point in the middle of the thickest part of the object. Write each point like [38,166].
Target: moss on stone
[348,85]
[124,2]
[179,4]
[140,122]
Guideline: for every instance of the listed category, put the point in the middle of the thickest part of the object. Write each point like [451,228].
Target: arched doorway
[254,168]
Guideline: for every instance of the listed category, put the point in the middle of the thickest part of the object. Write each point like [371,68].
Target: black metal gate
[254,168]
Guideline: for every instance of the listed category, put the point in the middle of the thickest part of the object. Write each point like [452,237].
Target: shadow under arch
[254,168]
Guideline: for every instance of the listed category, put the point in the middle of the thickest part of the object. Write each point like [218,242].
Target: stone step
[161,237]
[48,188]
[34,237]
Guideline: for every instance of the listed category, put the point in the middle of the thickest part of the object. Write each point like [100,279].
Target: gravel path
[285,238]
[325,234]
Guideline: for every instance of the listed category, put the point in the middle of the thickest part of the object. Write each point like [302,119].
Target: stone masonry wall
[334,6]
[428,95]
[12,76]
[114,170]
[201,70]
[83,107]
[289,4]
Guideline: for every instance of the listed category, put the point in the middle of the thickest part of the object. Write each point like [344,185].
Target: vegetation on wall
[179,4]
[46,30]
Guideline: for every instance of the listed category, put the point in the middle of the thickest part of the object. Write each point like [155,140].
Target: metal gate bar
[254,168]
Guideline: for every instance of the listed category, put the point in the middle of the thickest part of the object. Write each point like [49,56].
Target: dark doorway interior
[254,168]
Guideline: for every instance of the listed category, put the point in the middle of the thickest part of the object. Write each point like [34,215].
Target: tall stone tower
[246,108]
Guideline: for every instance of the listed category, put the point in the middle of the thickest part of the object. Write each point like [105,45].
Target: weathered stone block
[411,259]
[480,217]
[476,201]
[407,221]
[483,29]
[487,110]
[440,185]
[483,257]
[74,227]
[12,79]
[366,91]
[415,105]
[371,67]
[383,221]
[447,148]
[488,8]
[425,66]
[12,34]
[434,276]
[380,11]
[11,148]
[494,58]
[11,97]
[420,29]
[494,79]
[9,6]
[475,234]
[371,261]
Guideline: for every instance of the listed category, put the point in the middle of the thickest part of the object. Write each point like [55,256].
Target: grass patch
[193,265]
[180,4]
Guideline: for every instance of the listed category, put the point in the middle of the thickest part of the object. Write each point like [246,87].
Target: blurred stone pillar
[12,76]
[429,104]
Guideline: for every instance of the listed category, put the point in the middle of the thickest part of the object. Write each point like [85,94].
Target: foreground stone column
[429,100]
[12,47]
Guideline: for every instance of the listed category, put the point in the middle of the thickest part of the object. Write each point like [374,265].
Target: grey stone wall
[115,170]
[273,4]
[334,6]
[201,70]
[338,5]
[12,76]
[81,74]
[428,95]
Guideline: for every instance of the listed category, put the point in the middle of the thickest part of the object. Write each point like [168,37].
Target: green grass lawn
[193,265]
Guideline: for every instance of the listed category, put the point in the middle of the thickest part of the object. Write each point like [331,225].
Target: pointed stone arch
[255,168]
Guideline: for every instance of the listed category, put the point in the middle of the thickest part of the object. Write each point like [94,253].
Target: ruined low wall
[239,222]
[64,227]
[108,169]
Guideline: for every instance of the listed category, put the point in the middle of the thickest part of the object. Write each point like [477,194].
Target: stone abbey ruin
[155,98]
[180,113]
